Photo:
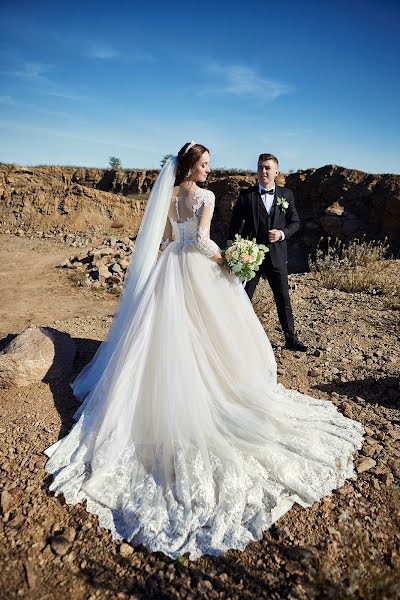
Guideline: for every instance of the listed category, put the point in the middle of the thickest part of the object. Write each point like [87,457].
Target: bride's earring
[189,174]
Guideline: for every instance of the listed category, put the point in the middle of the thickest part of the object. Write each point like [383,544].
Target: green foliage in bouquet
[244,257]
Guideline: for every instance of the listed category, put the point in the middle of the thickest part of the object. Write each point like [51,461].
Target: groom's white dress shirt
[268,200]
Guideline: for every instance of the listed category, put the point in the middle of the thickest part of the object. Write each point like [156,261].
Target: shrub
[358,266]
[77,276]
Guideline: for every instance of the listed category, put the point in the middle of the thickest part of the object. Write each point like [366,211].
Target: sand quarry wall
[331,201]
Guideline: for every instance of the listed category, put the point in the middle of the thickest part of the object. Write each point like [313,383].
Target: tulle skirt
[185,442]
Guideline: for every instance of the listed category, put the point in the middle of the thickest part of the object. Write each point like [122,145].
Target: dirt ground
[34,291]
[345,546]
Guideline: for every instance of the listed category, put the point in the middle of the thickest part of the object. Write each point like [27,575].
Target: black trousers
[278,280]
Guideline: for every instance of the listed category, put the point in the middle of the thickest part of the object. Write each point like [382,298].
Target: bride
[184,441]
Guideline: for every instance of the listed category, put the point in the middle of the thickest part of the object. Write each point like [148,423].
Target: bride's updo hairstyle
[187,159]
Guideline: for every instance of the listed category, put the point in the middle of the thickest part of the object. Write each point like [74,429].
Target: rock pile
[104,266]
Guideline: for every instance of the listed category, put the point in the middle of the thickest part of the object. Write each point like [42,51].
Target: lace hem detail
[188,500]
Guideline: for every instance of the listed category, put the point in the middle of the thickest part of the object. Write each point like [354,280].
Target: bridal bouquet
[244,257]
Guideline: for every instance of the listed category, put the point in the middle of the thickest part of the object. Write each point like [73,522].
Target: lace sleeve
[167,235]
[203,241]
[164,244]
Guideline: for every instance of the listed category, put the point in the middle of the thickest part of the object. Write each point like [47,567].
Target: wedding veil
[141,265]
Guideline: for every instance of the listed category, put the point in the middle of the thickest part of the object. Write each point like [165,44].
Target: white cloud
[68,94]
[141,56]
[112,142]
[101,51]
[58,114]
[35,73]
[106,52]
[240,80]
[30,71]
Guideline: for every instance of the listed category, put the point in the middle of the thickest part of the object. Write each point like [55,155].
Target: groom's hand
[274,235]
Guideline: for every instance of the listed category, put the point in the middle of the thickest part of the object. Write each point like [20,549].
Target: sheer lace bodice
[194,230]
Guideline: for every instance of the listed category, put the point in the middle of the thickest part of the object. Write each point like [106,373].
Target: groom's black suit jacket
[251,220]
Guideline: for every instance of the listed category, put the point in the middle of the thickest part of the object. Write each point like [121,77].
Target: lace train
[209,504]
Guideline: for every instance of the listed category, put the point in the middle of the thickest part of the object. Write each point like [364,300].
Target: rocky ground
[345,546]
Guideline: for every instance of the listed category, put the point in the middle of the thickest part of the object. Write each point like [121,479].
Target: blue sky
[312,82]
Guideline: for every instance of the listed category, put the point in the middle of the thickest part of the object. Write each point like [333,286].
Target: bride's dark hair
[187,160]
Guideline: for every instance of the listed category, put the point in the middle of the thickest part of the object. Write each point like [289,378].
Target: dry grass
[77,276]
[359,266]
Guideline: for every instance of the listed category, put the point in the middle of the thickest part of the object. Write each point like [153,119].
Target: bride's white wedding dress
[185,442]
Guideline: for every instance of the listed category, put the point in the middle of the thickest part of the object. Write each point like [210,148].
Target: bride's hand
[224,265]
[220,261]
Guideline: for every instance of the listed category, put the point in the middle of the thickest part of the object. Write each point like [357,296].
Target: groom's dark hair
[268,157]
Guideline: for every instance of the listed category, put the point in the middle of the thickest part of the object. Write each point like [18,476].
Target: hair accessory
[192,143]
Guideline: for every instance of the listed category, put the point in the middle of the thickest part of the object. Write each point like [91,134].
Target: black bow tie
[268,192]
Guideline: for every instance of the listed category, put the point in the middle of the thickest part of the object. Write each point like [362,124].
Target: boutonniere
[282,203]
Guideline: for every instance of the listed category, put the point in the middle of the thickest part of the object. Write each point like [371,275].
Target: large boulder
[36,354]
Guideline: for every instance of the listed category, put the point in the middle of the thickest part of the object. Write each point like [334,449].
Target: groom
[267,212]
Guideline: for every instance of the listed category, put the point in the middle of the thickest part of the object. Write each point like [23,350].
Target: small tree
[164,160]
[114,162]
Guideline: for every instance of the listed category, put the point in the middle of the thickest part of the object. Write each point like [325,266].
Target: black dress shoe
[295,345]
